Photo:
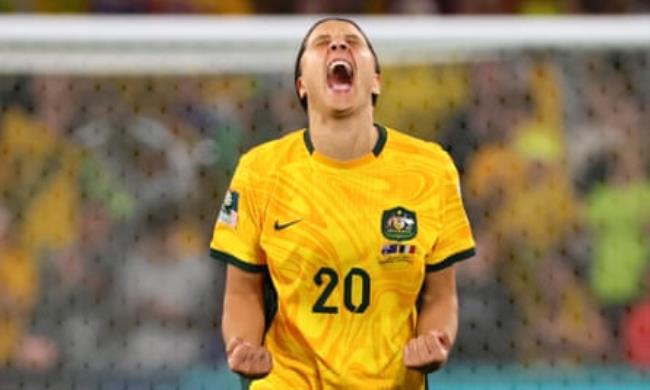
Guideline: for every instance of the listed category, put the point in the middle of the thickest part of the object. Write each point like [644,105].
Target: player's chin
[340,106]
[341,112]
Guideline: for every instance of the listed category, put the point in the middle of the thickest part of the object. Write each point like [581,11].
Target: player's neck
[345,138]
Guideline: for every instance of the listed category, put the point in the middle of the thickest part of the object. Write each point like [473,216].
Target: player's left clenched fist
[428,352]
[252,361]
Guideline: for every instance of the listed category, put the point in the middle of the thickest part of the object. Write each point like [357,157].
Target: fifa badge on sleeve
[228,212]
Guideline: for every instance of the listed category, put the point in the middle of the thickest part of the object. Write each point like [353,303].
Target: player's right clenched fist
[252,361]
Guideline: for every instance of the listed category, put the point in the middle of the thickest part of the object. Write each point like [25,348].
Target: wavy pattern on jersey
[339,213]
[339,204]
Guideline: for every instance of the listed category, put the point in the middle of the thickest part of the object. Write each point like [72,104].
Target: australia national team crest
[399,224]
[228,212]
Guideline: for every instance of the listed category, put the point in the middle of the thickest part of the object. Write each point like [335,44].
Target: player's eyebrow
[352,37]
[320,38]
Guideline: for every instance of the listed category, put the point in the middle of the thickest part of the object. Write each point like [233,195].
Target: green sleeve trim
[230,259]
[462,255]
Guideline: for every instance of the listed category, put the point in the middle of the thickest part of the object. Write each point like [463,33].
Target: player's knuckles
[250,362]
[417,359]
[431,343]
[421,349]
[240,358]
[235,362]
[411,351]
[434,354]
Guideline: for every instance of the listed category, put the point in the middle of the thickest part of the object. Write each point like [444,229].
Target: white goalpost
[189,44]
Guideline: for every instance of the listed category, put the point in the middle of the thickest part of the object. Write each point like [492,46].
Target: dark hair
[297,71]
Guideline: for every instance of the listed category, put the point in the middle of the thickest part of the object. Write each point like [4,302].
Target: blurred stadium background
[119,133]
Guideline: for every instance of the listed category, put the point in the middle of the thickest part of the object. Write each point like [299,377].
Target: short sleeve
[454,242]
[236,235]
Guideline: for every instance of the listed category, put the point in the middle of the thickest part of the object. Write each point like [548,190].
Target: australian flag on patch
[391,249]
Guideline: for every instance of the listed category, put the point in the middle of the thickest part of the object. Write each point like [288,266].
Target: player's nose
[338,45]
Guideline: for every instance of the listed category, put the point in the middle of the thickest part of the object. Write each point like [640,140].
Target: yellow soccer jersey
[346,245]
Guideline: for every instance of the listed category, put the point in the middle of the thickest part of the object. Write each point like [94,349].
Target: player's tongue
[339,76]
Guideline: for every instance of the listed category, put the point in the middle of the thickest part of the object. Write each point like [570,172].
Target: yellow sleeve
[236,236]
[455,241]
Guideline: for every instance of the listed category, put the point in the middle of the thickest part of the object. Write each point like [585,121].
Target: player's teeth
[343,63]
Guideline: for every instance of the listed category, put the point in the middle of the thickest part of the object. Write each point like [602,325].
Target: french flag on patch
[410,249]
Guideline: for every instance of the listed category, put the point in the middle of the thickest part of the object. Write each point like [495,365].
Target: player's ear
[376,84]
[300,87]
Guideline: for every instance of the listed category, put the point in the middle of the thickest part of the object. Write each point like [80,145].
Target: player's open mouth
[340,75]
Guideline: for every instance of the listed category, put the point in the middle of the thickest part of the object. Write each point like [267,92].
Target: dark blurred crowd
[329,6]
[109,188]
[555,161]
[108,192]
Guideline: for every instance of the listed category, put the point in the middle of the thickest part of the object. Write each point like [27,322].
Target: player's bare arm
[437,323]
[243,323]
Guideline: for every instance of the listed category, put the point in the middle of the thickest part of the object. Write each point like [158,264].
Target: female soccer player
[353,228]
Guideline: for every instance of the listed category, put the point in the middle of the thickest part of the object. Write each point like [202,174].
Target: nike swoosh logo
[282,226]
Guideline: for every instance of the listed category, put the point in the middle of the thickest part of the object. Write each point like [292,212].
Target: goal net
[119,135]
